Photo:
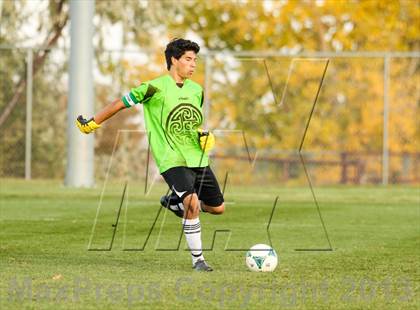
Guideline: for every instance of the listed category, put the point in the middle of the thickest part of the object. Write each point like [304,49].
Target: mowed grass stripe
[45,229]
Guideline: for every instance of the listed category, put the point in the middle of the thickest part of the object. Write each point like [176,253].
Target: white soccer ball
[261,258]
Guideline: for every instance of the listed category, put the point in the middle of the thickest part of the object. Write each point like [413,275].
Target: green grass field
[46,229]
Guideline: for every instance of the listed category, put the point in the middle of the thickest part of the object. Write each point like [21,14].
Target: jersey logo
[183,98]
[182,124]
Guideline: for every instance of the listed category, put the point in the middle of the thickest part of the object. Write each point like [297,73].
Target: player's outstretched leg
[173,203]
[216,210]
[192,230]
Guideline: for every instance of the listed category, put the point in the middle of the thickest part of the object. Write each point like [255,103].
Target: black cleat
[201,265]
[172,204]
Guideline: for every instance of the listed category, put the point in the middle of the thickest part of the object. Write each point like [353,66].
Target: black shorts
[184,181]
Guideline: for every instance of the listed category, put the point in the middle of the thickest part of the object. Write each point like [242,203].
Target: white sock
[192,231]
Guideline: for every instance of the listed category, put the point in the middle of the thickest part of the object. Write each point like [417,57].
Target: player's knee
[191,202]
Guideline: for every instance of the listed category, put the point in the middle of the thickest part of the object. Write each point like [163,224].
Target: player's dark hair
[177,47]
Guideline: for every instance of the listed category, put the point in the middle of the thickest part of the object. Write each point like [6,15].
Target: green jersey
[172,115]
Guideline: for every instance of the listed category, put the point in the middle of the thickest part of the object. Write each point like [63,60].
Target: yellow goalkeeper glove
[206,139]
[86,125]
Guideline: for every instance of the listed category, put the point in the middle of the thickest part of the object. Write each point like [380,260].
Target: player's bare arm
[109,111]
[89,125]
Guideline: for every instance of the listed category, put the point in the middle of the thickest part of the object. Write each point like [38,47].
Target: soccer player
[173,115]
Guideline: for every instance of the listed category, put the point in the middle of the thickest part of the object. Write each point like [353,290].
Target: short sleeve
[135,96]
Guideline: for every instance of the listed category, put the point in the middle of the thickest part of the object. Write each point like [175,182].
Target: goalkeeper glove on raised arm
[206,139]
[86,125]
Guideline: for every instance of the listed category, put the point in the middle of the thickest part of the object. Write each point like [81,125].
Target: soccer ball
[261,258]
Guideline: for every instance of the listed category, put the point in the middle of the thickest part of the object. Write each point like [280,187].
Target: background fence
[364,128]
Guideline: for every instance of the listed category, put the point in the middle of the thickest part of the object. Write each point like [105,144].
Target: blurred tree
[48,147]
[141,23]
[57,20]
[352,86]
[349,112]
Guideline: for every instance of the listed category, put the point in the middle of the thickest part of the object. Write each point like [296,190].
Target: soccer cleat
[171,203]
[201,265]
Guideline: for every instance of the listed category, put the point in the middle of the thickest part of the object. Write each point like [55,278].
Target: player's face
[185,66]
